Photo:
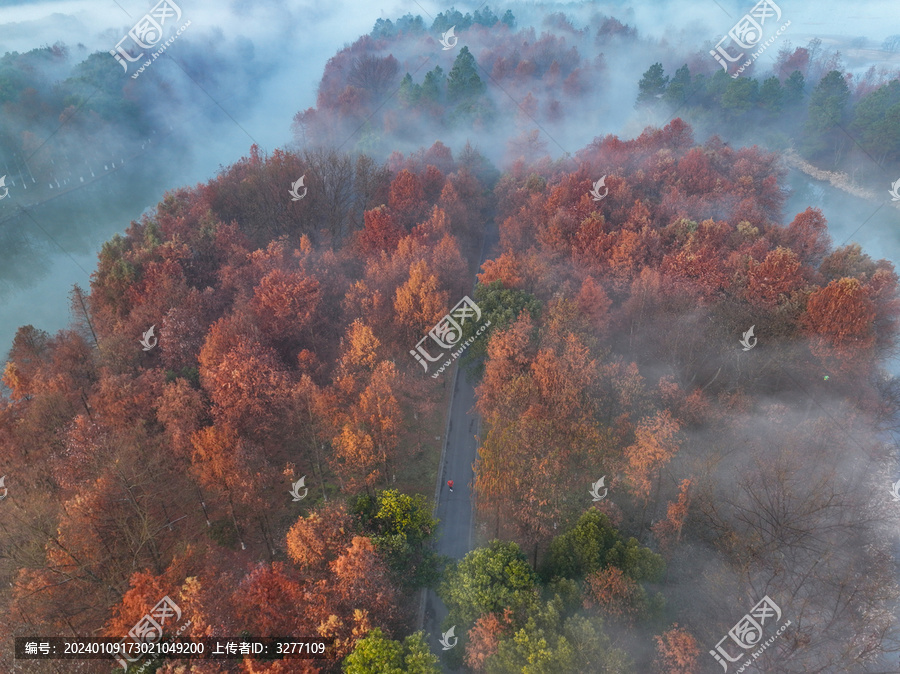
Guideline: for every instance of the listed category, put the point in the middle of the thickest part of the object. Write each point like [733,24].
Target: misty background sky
[290,44]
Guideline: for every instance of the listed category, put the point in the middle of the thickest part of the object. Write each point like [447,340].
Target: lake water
[49,241]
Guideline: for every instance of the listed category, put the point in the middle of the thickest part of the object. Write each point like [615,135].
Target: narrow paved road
[455,510]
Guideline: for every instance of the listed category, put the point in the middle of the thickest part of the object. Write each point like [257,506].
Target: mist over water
[35,274]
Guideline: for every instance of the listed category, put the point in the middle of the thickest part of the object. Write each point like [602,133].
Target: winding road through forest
[455,510]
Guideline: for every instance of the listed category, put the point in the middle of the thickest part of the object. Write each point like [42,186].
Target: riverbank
[837,180]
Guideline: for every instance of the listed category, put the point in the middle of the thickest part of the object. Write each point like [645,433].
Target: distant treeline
[829,116]
[409,24]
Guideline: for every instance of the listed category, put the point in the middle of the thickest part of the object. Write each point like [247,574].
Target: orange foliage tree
[668,530]
[677,652]
[840,320]
[655,445]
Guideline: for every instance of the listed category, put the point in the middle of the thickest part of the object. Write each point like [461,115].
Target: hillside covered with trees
[283,340]
[285,331]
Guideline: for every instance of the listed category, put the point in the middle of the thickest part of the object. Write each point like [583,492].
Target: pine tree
[485,17]
[827,105]
[876,121]
[793,88]
[463,83]
[771,95]
[680,86]
[384,29]
[652,84]
[409,92]
[433,86]
[740,95]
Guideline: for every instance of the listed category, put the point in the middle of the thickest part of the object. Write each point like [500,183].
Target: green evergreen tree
[433,86]
[826,112]
[793,89]
[485,17]
[679,88]
[740,95]
[876,122]
[410,25]
[698,96]
[13,80]
[409,93]
[384,29]
[716,86]
[828,101]
[652,85]
[463,83]
[478,112]
[453,17]
[771,95]
[508,19]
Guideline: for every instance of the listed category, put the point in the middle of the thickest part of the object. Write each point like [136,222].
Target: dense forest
[283,334]
[285,329]
[282,353]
